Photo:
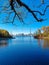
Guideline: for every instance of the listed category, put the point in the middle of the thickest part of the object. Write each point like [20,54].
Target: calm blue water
[24,51]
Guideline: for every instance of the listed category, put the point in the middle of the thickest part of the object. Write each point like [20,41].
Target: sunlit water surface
[24,51]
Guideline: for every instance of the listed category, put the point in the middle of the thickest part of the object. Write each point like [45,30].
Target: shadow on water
[3,42]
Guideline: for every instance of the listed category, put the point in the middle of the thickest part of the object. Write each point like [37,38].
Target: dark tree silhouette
[14,4]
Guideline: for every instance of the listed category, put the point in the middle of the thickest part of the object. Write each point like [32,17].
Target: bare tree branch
[22,4]
[16,13]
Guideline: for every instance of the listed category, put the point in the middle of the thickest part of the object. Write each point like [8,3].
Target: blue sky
[21,28]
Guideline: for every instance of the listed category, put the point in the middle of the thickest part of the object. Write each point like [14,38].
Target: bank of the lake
[5,34]
[42,33]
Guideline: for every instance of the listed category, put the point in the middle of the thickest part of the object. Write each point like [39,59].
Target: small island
[42,33]
[4,34]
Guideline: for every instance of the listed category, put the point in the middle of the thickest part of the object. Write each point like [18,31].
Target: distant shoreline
[41,37]
[45,38]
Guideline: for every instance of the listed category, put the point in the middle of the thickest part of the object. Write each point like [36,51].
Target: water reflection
[24,51]
[3,43]
[44,43]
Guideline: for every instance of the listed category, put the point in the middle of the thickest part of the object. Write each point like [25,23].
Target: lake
[24,51]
